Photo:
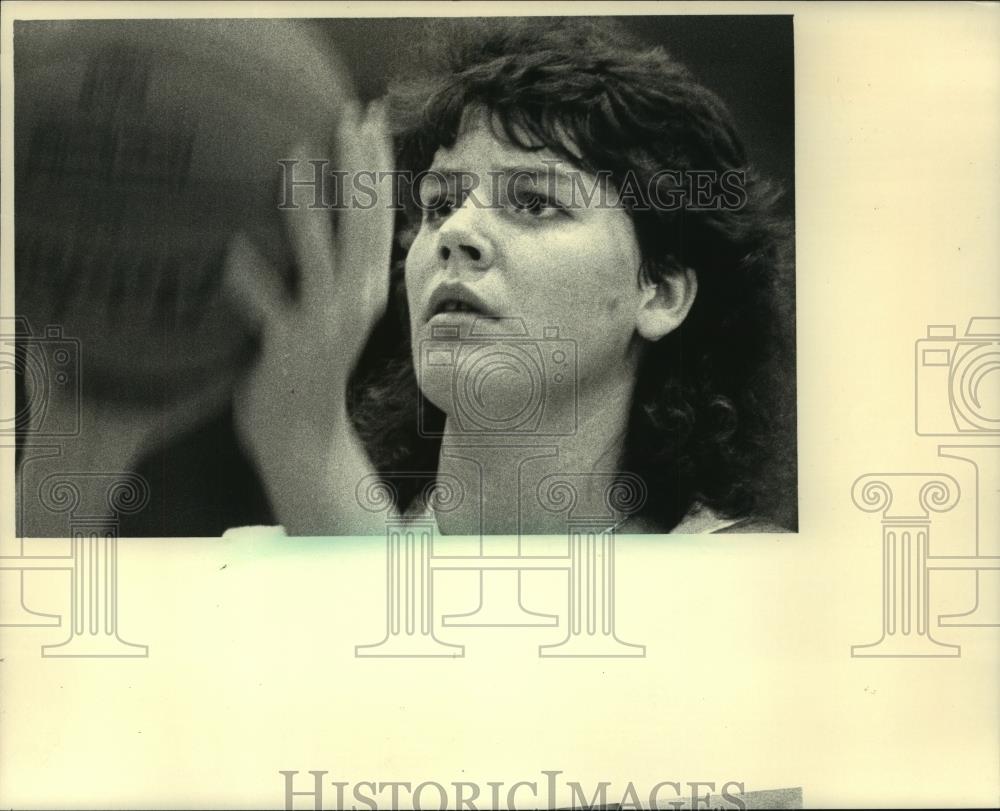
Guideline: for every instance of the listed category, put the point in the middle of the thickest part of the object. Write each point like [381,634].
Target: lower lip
[458,316]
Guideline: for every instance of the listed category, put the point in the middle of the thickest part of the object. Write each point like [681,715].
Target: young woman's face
[522,253]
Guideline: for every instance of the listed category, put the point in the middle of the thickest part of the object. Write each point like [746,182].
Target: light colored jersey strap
[702,520]
[699,521]
[257,532]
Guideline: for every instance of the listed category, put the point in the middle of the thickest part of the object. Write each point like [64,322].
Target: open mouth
[456,299]
[453,306]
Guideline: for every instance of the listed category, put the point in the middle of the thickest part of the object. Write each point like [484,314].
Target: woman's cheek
[416,257]
[415,267]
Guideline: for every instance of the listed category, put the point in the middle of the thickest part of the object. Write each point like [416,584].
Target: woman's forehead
[482,146]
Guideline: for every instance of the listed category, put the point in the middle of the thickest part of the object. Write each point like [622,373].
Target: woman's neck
[533,482]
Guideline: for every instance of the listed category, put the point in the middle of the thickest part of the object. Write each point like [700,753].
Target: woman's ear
[665,304]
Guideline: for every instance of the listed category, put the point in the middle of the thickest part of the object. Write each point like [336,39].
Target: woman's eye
[437,208]
[534,205]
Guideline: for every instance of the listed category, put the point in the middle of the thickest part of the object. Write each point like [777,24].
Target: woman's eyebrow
[544,170]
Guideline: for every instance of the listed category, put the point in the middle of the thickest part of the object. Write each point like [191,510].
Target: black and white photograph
[499,405]
[473,258]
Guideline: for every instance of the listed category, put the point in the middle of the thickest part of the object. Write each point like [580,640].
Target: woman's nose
[462,241]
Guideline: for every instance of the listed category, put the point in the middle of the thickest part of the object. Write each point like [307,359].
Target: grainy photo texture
[500,275]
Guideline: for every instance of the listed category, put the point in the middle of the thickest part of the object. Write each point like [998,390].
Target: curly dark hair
[712,419]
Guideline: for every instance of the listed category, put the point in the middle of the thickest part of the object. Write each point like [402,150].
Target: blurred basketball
[141,147]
